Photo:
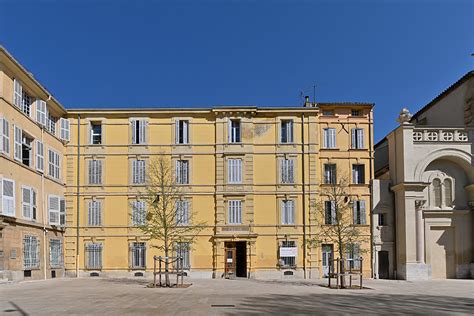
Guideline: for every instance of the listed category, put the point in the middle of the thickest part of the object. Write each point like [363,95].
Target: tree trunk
[342,267]
[167,274]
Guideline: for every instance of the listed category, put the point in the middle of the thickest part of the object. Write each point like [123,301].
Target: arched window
[448,192]
[437,192]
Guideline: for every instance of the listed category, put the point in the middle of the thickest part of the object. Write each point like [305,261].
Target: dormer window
[328,112]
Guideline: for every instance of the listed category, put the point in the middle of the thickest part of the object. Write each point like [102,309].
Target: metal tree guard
[349,270]
[178,269]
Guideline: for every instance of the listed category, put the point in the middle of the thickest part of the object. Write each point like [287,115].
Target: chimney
[307,104]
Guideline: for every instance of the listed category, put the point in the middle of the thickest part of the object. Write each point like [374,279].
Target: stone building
[423,195]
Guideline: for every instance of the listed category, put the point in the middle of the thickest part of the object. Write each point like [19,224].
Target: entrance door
[327,254]
[383,265]
[230,260]
[236,259]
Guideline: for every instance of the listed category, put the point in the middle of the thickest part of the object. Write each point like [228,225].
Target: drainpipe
[45,214]
[371,157]
[304,194]
[77,192]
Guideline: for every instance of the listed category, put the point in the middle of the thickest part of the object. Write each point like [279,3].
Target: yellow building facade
[250,173]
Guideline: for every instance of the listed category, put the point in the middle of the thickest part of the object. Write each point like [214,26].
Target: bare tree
[166,223]
[336,222]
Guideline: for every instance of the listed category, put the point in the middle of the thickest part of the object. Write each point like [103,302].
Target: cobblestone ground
[96,296]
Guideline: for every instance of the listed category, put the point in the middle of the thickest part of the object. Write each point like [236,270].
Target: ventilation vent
[27,273]
[288,273]
[138,274]
[94,274]
[185,274]
[53,274]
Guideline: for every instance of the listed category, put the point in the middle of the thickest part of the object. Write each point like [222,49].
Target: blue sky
[204,53]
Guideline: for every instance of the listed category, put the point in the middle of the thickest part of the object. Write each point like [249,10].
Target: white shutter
[134,171]
[291,171]
[33,204]
[134,131]
[65,129]
[17,140]
[332,139]
[291,217]
[26,198]
[53,210]
[142,136]
[8,197]
[178,171]
[186,171]
[229,130]
[41,112]
[353,138]
[239,170]
[185,131]
[355,212]
[176,131]
[362,212]
[360,138]
[290,131]
[18,93]
[62,212]
[39,156]
[333,212]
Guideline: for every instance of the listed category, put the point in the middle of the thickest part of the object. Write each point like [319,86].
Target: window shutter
[8,198]
[176,131]
[355,213]
[333,138]
[290,131]
[26,202]
[333,212]
[186,171]
[239,170]
[325,138]
[134,171]
[65,128]
[178,171]
[6,136]
[291,171]
[142,126]
[54,210]
[33,204]
[17,140]
[229,130]
[39,156]
[185,131]
[353,138]
[41,112]
[18,93]
[360,138]
[354,174]
[134,131]
[362,212]
[1,135]
[62,212]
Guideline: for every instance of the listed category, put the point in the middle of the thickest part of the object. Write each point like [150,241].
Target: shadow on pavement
[354,303]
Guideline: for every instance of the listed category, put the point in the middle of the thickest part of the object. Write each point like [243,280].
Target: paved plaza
[97,296]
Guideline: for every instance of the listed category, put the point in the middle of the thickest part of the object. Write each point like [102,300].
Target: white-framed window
[17,141]
[4,136]
[329,138]
[358,174]
[7,195]
[26,102]
[51,123]
[234,212]
[138,255]
[288,253]
[234,131]
[182,212]
[287,170]
[353,255]
[330,173]
[94,256]
[139,132]
[94,214]
[183,249]
[287,212]
[95,171]
[31,252]
[286,131]
[357,138]
[182,171]
[28,201]
[41,111]
[355,112]
[138,171]
[17,93]
[54,210]
[39,156]
[65,129]
[138,213]
[182,131]
[54,164]
[358,210]
[234,170]
[330,212]
[95,133]
[55,253]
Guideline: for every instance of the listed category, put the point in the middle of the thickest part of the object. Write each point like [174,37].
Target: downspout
[77,191]
[45,213]
[304,194]
[371,158]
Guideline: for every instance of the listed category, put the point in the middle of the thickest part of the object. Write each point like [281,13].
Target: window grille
[96,133]
[94,256]
[138,250]
[288,261]
[55,253]
[26,103]
[30,252]
[182,249]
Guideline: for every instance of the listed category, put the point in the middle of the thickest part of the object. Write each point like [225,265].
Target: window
[18,93]
[27,150]
[53,164]
[288,253]
[382,219]
[65,129]
[4,136]
[437,192]
[51,123]
[54,210]
[30,252]
[94,256]
[234,170]
[8,197]
[358,174]
[330,212]
[62,212]
[28,201]
[235,212]
[287,212]
[357,136]
[182,132]
[39,156]
[329,140]
[55,253]
[355,113]
[182,250]
[359,212]
[448,192]
[330,173]
[17,140]
[94,217]
[182,212]
[138,250]
[138,171]
[287,171]
[328,112]
[26,103]
[234,131]
[138,213]
[139,132]
[286,133]
[41,112]
[353,256]
[182,171]
[95,171]
[96,133]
